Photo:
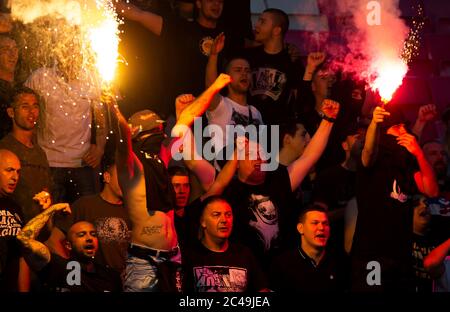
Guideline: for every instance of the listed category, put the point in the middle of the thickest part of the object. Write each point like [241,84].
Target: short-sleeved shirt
[260,212]
[274,76]
[234,270]
[188,45]
[113,228]
[228,112]
[34,175]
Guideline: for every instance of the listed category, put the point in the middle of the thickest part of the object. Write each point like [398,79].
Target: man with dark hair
[214,264]
[186,44]
[232,109]
[308,268]
[82,245]
[24,112]
[274,76]
[107,213]
[279,19]
[179,177]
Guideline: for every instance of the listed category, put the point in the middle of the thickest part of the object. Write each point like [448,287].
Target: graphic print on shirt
[112,230]
[397,193]
[268,82]
[220,279]
[266,216]
[205,45]
[9,223]
[241,119]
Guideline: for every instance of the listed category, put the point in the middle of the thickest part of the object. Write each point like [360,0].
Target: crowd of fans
[92,197]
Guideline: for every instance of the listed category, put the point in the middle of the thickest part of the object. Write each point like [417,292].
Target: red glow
[389,77]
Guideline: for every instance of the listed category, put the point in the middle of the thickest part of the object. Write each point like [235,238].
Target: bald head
[9,172]
[82,240]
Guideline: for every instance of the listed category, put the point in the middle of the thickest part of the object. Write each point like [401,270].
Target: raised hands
[330,108]
[409,142]
[44,199]
[218,44]
[315,59]
[181,102]
[379,114]
[427,113]
[63,207]
[221,82]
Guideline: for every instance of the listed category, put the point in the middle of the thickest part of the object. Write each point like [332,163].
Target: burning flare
[390,74]
[105,42]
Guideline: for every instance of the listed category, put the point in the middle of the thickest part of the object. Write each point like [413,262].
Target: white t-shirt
[65,116]
[228,112]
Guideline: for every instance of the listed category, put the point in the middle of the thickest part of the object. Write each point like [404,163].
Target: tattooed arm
[37,255]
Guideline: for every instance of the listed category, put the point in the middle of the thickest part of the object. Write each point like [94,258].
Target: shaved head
[9,172]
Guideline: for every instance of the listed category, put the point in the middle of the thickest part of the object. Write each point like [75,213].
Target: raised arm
[37,254]
[129,168]
[314,59]
[370,149]
[200,104]
[211,67]
[302,165]
[151,21]
[426,114]
[425,178]
[434,262]
[223,178]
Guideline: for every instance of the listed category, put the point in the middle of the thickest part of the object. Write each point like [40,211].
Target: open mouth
[321,237]
[89,248]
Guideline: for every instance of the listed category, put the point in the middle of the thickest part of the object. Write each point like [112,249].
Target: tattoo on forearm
[151,230]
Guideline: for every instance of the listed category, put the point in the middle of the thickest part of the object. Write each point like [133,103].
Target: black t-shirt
[422,246]
[113,228]
[145,65]
[385,213]
[10,225]
[294,271]
[260,211]
[59,272]
[234,270]
[187,45]
[274,76]
[187,227]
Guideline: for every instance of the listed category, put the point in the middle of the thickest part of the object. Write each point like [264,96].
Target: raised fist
[330,108]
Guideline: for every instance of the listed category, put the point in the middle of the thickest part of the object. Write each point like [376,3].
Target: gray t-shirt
[34,175]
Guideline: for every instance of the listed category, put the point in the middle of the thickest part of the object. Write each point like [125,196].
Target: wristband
[330,119]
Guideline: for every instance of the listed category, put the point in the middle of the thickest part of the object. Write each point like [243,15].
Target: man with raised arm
[154,246]
[393,167]
[82,245]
